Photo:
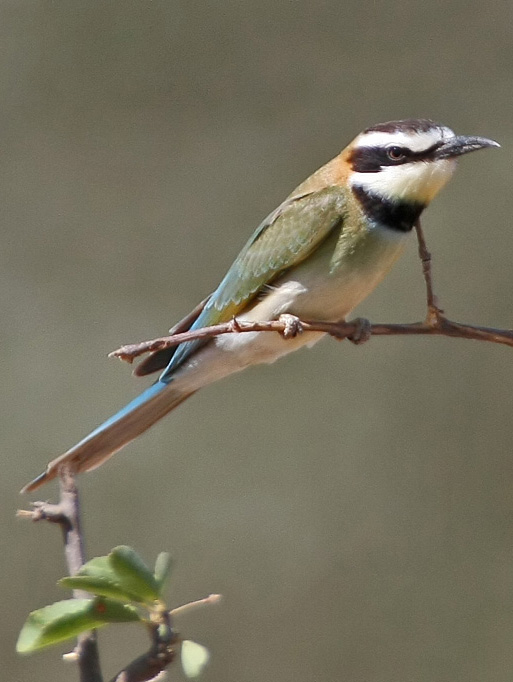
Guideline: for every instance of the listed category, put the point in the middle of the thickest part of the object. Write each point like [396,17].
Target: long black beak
[462,144]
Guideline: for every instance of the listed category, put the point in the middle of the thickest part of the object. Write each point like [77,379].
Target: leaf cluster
[123,589]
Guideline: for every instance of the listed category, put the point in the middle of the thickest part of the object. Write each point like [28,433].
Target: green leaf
[100,586]
[133,573]
[163,567]
[98,577]
[121,575]
[68,618]
[194,658]
[100,568]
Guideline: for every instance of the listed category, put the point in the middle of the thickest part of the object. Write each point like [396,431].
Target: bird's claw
[362,332]
[291,325]
[235,325]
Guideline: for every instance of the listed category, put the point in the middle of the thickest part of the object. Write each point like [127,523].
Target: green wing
[285,238]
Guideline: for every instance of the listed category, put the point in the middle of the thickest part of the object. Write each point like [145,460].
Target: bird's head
[407,161]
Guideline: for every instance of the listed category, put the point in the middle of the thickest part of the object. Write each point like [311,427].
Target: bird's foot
[291,325]
[235,325]
[362,332]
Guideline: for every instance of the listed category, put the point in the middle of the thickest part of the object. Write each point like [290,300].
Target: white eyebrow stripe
[417,142]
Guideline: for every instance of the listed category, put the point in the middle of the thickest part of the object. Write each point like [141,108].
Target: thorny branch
[435,324]
[66,513]
[164,639]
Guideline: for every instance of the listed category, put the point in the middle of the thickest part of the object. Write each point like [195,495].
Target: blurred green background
[353,505]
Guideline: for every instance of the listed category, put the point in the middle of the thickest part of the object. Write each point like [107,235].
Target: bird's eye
[395,153]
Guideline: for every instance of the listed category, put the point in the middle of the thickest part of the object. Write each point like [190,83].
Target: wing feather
[284,239]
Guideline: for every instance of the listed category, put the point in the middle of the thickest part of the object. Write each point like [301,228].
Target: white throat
[417,181]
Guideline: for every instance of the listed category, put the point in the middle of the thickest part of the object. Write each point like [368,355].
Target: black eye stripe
[372,159]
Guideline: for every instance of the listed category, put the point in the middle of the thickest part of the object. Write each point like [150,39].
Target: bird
[316,256]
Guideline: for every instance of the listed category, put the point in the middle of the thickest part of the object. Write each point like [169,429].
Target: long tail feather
[112,435]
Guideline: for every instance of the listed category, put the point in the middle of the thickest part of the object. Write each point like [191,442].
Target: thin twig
[66,513]
[206,601]
[434,312]
[436,326]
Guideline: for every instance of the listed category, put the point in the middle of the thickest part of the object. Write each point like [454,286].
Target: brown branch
[434,313]
[163,647]
[435,324]
[66,513]
[161,653]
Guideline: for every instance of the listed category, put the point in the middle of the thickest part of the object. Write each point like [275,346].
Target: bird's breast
[342,272]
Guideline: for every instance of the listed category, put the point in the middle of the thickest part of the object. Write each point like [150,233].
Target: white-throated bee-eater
[320,253]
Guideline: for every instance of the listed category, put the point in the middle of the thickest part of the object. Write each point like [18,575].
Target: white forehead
[417,141]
